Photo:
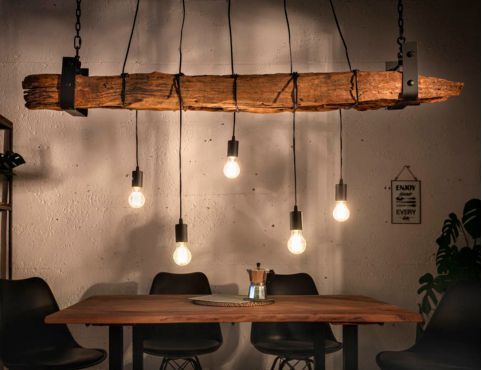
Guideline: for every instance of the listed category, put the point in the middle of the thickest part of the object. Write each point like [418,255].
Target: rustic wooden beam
[256,93]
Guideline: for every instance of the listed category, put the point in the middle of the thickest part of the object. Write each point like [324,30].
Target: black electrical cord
[123,74]
[294,96]
[341,147]
[289,33]
[235,77]
[137,144]
[341,35]
[181,104]
[130,37]
[295,106]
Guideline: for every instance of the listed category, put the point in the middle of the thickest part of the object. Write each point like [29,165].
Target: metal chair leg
[275,362]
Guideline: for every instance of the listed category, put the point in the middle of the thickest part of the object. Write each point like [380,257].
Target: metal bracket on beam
[409,69]
[70,69]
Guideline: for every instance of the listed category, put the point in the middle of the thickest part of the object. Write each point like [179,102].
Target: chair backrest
[192,283]
[292,284]
[24,304]
[457,317]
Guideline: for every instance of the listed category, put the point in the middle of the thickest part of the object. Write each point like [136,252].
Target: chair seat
[176,348]
[295,348]
[71,358]
[435,360]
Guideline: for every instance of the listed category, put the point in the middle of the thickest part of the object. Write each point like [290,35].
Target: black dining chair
[26,342]
[180,344]
[292,343]
[451,339]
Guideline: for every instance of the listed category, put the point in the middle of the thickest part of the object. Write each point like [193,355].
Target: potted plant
[457,258]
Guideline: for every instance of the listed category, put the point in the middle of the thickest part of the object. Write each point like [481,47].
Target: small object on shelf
[257,286]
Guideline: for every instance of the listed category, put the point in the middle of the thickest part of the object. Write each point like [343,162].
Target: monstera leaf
[8,161]
[471,218]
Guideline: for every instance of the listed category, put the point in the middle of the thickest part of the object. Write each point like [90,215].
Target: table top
[161,309]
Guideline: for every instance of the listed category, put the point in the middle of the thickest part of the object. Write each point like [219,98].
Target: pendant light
[341,213]
[231,168]
[296,242]
[137,198]
[182,255]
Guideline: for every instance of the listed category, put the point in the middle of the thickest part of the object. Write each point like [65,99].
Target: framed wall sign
[406,200]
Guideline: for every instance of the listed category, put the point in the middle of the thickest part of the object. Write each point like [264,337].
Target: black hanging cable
[123,74]
[341,147]
[235,76]
[294,97]
[289,33]
[181,106]
[295,106]
[137,145]
[341,35]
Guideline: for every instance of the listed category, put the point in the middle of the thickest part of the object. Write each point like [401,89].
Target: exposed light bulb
[296,242]
[341,213]
[231,168]
[136,198]
[182,255]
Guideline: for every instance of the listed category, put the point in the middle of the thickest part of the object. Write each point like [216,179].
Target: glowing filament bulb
[136,198]
[182,255]
[231,168]
[341,213]
[296,242]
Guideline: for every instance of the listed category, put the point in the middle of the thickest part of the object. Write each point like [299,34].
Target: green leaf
[471,218]
[426,307]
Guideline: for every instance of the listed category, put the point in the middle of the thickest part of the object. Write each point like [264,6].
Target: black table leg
[116,348]
[350,347]
[319,343]
[137,348]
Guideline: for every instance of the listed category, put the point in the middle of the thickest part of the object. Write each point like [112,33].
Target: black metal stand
[319,343]
[70,69]
[137,348]
[116,348]
[409,69]
[350,347]
[6,207]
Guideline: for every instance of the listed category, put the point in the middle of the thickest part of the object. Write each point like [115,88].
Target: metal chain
[401,37]
[77,39]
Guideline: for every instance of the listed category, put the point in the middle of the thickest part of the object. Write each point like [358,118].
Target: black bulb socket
[233,147]
[181,232]
[296,219]
[340,191]
[137,178]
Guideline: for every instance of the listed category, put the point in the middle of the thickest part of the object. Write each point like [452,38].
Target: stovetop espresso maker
[257,286]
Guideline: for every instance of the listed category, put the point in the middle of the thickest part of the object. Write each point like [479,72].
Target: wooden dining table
[117,311]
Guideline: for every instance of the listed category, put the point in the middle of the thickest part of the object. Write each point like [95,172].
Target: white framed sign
[406,200]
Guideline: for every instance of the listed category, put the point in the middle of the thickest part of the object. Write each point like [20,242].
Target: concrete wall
[74,228]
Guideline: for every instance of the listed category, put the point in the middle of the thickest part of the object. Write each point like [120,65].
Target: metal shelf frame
[6,206]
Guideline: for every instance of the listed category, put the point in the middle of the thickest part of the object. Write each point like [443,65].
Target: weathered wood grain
[157,309]
[256,93]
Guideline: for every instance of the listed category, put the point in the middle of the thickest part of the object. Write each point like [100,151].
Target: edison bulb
[231,168]
[296,242]
[341,213]
[136,198]
[182,255]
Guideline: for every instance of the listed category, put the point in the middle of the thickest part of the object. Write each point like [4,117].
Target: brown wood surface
[156,309]
[256,93]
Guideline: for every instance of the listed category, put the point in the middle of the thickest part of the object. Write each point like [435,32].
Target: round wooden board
[246,303]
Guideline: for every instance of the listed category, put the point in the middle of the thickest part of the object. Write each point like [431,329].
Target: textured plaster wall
[72,223]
